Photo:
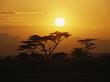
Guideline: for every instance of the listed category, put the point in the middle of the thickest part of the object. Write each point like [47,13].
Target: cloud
[6,13]
[27,13]
[13,16]
[18,13]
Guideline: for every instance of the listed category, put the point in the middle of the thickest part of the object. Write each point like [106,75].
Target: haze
[84,18]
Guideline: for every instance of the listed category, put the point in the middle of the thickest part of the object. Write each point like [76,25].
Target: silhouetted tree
[30,46]
[56,38]
[87,45]
[46,44]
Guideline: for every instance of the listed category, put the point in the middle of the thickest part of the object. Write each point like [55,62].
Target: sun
[59,22]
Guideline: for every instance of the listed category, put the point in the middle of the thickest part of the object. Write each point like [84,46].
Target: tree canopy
[86,46]
[46,45]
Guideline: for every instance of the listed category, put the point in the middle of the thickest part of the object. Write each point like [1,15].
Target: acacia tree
[56,38]
[29,46]
[86,46]
[45,44]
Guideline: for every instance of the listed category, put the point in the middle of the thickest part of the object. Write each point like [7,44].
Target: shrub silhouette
[59,56]
[77,52]
[43,44]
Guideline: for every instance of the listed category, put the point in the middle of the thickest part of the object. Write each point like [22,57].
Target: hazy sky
[84,18]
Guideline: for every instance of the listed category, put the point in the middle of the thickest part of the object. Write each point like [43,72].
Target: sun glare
[59,22]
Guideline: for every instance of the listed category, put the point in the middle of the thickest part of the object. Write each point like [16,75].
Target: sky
[83,18]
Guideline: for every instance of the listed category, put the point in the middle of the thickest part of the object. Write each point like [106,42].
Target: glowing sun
[59,22]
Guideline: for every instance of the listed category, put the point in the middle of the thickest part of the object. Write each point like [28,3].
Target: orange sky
[84,18]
